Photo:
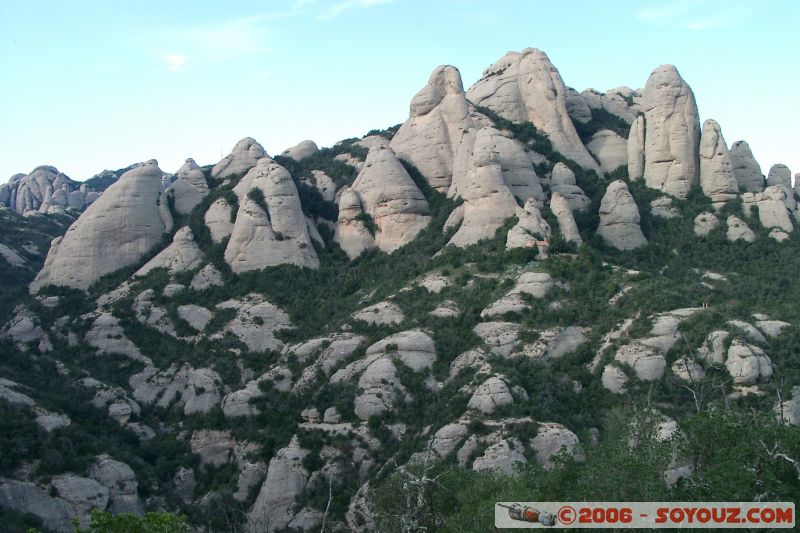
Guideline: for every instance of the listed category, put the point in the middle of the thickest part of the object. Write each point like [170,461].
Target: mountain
[523,291]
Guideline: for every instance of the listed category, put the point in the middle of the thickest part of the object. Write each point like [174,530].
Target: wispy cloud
[346,5]
[696,14]
[174,61]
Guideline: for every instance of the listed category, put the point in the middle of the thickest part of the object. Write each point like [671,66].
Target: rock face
[746,168]
[621,101]
[244,156]
[635,149]
[705,223]
[737,230]
[26,497]
[302,150]
[44,190]
[772,209]
[273,236]
[286,479]
[391,199]
[531,228]
[438,117]
[566,222]
[189,187]
[352,232]
[747,364]
[379,384]
[123,225]
[577,108]
[562,181]
[500,456]
[716,170]
[672,133]
[780,174]
[219,219]
[121,483]
[610,150]
[490,395]
[550,440]
[619,218]
[183,254]
[256,322]
[488,201]
[525,86]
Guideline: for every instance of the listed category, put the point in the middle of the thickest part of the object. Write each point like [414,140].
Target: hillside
[522,289]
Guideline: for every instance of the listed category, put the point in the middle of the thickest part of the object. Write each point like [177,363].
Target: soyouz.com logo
[633,515]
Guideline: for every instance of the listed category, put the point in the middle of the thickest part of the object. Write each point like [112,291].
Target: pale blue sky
[93,84]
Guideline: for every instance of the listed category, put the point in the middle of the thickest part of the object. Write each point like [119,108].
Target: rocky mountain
[523,287]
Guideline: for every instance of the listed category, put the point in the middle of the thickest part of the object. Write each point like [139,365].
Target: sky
[87,85]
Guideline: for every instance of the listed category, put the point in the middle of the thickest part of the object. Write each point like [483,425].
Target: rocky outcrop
[302,150]
[526,87]
[116,231]
[213,446]
[577,108]
[772,210]
[552,439]
[672,133]
[256,322]
[622,102]
[189,187]
[273,231]
[121,483]
[353,233]
[244,156]
[610,150]
[219,219]
[439,115]
[530,229]
[779,174]
[566,222]
[705,223]
[717,178]
[738,230]
[635,149]
[392,200]
[746,168]
[286,479]
[490,395]
[24,497]
[380,313]
[562,181]
[45,190]
[619,218]
[501,456]
[747,364]
[183,254]
[379,386]
[206,277]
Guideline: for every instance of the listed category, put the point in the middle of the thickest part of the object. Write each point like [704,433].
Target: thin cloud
[696,15]
[339,8]
[175,61]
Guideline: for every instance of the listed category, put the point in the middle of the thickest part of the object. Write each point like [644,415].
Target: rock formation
[244,156]
[530,229]
[566,222]
[219,219]
[116,231]
[273,231]
[622,102]
[183,254]
[189,187]
[672,133]
[746,168]
[302,150]
[577,108]
[610,150]
[635,149]
[45,190]
[392,200]
[352,232]
[716,171]
[737,230]
[439,115]
[562,181]
[619,218]
[526,87]
[780,174]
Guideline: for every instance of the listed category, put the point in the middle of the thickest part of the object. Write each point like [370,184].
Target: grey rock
[352,232]
[447,438]
[738,230]
[501,457]
[256,322]
[662,207]
[380,313]
[121,483]
[195,315]
[500,337]
[380,387]
[219,220]
[81,494]
[206,277]
[705,223]
[562,181]
[614,379]
[244,156]
[716,169]
[301,151]
[746,168]
[577,108]
[552,439]
[24,497]
[181,255]
[619,218]
[610,150]
[566,221]
[490,395]
[646,361]
[189,187]
[213,446]
[530,230]
[748,364]
[635,149]
[779,174]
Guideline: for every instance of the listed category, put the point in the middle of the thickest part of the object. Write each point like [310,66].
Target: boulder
[181,255]
[256,322]
[635,149]
[490,395]
[672,133]
[537,284]
[779,174]
[390,197]
[621,101]
[717,178]
[189,187]
[526,87]
[380,313]
[577,108]
[746,168]
[500,337]
[107,336]
[206,277]
[24,497]
[81,494]
[414,348]
[646,361]
[738,230]
[614,379]
[121,483]
[772,208]
[619,218]
[273,231]
[195,315]
[429,139]
[688,370]
[747,364]
[447,438]
[705,223]
[501,457]
[244,156]
[213,446]
[566,222]
[325,185]
[219,219]
[302,150]
[379,384]
[610,150]
[552,439]
[662,207]
[116,231]
[562,181]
